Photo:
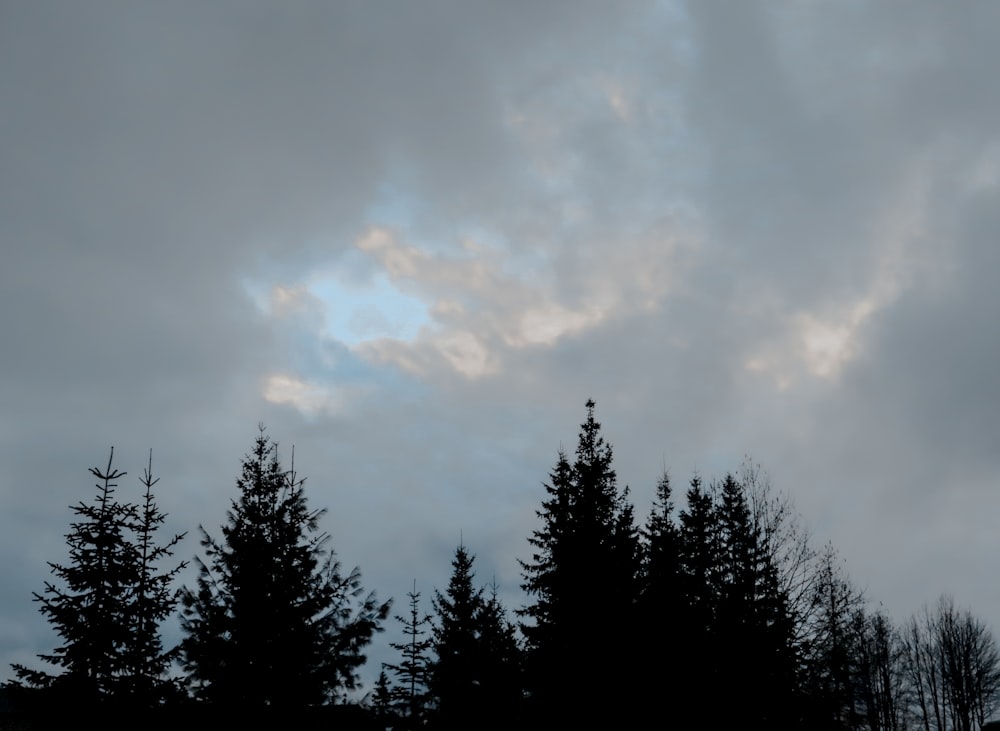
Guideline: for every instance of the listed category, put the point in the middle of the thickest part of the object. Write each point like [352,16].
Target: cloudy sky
[414,238]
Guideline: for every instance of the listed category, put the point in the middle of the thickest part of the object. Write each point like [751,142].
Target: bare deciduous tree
[952,668]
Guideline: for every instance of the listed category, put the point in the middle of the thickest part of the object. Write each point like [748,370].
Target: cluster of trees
[719,610]
[110,603]
[460,667]
[273,623]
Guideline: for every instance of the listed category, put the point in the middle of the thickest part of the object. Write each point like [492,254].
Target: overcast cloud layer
[413,239]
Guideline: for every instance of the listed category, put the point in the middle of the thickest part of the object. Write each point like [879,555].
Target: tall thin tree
[454,673]
[583,577]
[411,693]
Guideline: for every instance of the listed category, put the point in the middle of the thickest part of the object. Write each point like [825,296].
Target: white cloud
[483,303]
[311,399]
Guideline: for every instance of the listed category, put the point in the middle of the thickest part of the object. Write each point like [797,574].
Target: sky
[412,239]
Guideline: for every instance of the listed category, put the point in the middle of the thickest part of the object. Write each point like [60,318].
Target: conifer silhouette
[109,602]
[583,577]
[273,620]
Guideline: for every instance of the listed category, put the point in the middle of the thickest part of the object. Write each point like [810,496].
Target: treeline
[716,613]
[719,613]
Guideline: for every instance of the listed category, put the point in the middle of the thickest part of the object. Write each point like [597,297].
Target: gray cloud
[752,228]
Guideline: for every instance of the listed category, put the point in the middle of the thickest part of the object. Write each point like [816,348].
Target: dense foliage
[273,619]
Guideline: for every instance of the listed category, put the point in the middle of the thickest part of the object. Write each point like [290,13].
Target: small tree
[380,700]
[411,694]
[273,621]
[152,600]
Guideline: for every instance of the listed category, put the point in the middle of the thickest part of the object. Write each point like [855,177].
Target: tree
[662,607]
[583,576]
[380,701]
[661,558]
[89,613]
[500,664]
[833,676]
[152,600]
[112,601]
[454,675]
[273,620]
[476,663]
[880,672]
[698,558]
[952,667]
[411,694]
[752,624]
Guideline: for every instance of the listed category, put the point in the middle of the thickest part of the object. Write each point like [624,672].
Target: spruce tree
[662,607]
[751,627]
[152,600]
[89,609]
[109,603]
[273,620]
[583,576]
[477,661]
[411,693]
[697,645]
[379,700]
[698,551]
[500,664]
[455,681]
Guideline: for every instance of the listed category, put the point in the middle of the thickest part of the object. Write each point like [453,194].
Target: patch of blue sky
[360,311]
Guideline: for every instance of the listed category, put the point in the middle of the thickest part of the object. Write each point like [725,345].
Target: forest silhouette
[718,613]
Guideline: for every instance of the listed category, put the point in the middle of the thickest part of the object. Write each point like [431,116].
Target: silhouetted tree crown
[476,658]
[411,693]
[584,579]
[454,672]
[109,602]
[273,620]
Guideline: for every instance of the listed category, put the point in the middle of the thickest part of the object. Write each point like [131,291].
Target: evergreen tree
[662,603]
[698,555]
[411,694]
[584,579]
[454,677]
[152,600]
[476,663]
[752,629]
[698,551]
[661,559]
[380,701]
[89,612]
[112,601]
[273,620]
[500,662]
